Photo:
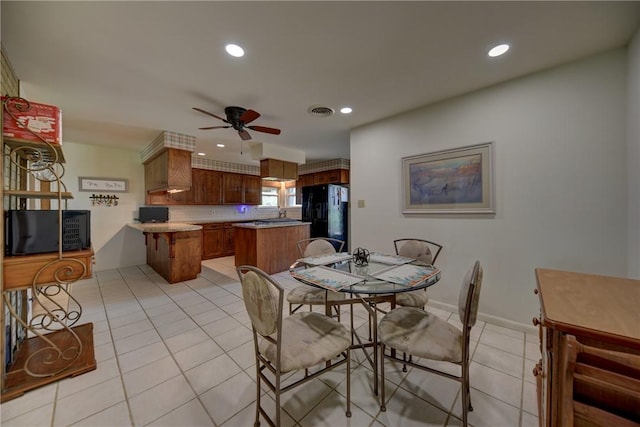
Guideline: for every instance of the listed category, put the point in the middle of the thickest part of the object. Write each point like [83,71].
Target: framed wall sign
[112,185]
[459,180]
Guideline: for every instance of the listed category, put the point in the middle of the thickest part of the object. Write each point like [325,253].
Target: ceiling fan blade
[210,114]
[244,135]
[264,129]
[249,116]
[215,127]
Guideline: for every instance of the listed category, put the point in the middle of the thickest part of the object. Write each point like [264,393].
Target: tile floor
[181,355]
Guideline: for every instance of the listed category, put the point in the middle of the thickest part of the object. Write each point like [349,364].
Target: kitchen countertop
[165,227]
[216,221]
[258,224]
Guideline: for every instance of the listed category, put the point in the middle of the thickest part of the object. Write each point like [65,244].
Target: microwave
[37,231]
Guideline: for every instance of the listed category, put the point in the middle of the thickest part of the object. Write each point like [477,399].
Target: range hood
[169,172]
[278,170]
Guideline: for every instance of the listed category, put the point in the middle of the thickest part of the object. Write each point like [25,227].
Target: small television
[153,214]
[37,231]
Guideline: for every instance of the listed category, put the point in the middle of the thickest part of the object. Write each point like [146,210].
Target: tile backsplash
[227,213]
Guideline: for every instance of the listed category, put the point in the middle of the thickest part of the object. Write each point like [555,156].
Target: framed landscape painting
[459,180]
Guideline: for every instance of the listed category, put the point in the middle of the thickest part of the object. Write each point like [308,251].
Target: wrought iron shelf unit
[46,343]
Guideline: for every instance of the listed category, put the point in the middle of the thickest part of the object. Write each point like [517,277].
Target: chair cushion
[305,294]
[416,250]
[319,247]
[422,334]
[307,340]
[261,301]
[417,298]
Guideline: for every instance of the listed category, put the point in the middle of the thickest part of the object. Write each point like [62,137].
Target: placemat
[327,277]
[407,275]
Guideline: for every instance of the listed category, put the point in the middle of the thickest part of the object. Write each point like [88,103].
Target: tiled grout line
[151,283]
[124,278]
[124,390]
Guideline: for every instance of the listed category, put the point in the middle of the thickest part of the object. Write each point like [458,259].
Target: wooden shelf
[18,381]
[38,194]
[20,271]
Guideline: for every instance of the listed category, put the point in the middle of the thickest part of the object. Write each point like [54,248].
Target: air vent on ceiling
[320,111]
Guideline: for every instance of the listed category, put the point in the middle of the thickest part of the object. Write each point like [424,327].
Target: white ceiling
[123,71]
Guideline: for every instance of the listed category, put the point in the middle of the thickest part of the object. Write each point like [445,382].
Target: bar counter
[174,249]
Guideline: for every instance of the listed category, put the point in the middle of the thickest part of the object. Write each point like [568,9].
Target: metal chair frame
[302,246]
[398,242]
[463,379]
[262,363]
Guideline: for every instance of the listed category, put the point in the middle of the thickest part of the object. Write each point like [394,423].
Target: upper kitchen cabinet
[207,187]
[168,172]
[241,189]
[334,176]
[278,170]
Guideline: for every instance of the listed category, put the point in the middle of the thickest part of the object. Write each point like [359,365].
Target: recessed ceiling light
[220,145]
[346,110]
[498,50]
[201,154]
[234,50]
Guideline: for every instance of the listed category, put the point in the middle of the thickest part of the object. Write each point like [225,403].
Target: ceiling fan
[238,118]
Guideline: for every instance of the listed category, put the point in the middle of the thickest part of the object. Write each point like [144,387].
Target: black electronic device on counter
[153,214]
[37,231]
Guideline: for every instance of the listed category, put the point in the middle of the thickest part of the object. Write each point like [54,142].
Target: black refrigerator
[326,208]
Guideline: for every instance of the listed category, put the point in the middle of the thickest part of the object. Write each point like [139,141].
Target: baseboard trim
[494,320]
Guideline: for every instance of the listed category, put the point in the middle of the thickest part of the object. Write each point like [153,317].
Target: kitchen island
[173,249]
[270,246]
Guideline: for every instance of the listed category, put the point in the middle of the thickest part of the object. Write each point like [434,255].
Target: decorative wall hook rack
[104,200]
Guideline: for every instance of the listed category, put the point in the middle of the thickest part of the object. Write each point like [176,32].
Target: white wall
[633,165]
[561,181]
[114,244]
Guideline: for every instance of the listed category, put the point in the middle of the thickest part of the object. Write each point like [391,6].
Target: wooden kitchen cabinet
[207,187]
[175,255]
[169,170]
[241,189]
[212,240]
[232,188]
[334,176]
[272,248]
[229,244]
[252,190]
[600,311]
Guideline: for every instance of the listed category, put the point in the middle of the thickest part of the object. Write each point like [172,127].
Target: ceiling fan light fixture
[320,111]
[501,49]
[234,50]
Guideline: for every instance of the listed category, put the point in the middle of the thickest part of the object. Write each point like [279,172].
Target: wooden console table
[600,311]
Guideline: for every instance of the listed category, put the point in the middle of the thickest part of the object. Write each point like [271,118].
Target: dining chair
[302,341]
[598,386]
[426,336]
[424,252]
[308,295]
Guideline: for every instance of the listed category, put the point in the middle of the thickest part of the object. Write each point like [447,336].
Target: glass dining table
[370,284]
